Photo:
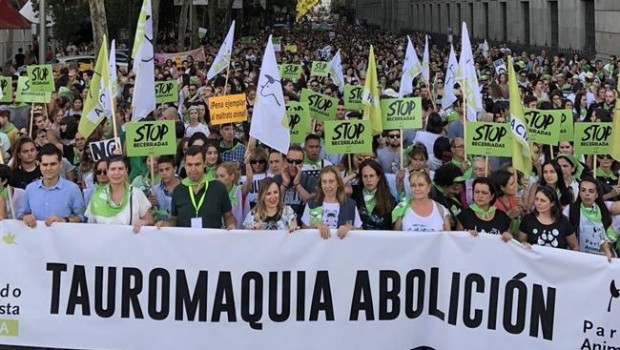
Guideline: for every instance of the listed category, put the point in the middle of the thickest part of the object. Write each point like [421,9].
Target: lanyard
[193,199]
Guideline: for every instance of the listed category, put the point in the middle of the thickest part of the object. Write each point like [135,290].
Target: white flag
[269,123]
[426,75]
[335,70]
[222,60]
[411,69]
[470,87]
[143,100]
[448,87]
[113,75]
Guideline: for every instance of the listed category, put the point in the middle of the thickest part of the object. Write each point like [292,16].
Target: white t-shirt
[590,234]
[417,223]
[141,206]
[253,194]
[330,215]
[191,130]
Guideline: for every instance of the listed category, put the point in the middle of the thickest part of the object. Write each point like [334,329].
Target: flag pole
[402,157]
[31,119]
[226,83]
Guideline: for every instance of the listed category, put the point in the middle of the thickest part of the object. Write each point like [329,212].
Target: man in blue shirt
[51,198]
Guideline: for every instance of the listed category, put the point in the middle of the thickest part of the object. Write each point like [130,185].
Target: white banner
[101,286]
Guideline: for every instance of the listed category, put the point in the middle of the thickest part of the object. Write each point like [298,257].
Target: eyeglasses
[258,161]
[394,136]
[294,161]
[604,157]
[101,172]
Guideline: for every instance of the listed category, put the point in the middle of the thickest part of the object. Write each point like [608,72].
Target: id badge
[196,222]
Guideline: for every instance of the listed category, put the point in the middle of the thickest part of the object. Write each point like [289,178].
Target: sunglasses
[258,161]
[294,161]
[101,172]
[392,136]
[605,157]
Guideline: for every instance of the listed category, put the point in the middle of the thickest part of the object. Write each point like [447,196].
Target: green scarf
[369,199]
[606,174]
[309,162]
[8,128]
[595,215]
[484,214]
[232,196]
[188,182]
[211,172]
[400,209]
[316,215]
[5,193]
[101,203]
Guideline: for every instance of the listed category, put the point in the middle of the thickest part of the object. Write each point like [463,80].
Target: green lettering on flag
[167,91]
[26,95]
[322,107]
[543,127]
[348,136]
[151,138]
[6,86]
[353,97]
[9,328]
[402,113]
[592,138]
[319,69]
[488,139]
[290,71]
[41,78]
[299,122]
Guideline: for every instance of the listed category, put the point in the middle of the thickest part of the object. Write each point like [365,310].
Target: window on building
[590,24]
[485,10]
[554,23]
[525,11]
[504,14]
[471,25]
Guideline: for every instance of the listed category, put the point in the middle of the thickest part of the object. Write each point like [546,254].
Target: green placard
[488,139]
[26,95]
[319,69]
[567,124]
[299,122]
[592,138]
[151,138]
[543,127]
[167,91]
[322,107]
[402,113]
[348,136]
[6,85]
[290,71]
[353,97]
[41,78]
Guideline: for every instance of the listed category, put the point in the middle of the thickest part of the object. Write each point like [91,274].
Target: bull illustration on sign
[271,81]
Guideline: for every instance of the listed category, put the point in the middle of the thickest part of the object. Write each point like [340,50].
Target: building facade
[592,26]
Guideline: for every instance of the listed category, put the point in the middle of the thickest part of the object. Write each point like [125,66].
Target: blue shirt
[63,199]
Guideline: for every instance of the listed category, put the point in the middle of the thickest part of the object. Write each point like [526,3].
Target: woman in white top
[117,202]
[427,137]
[194,123]
[419,213]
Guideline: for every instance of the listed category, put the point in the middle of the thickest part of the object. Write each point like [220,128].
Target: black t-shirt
[216,203]
[374,220]
[496,226]
[22,178]
[553,235]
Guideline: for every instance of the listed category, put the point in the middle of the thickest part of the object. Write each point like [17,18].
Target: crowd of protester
[219,179]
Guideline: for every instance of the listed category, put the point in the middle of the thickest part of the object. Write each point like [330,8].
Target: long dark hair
[501,178]
[566,195]
[574,214]
[490,185]
[385,200]
[550,193]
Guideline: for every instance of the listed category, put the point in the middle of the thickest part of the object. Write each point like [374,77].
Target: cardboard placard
[543,127]
[299,121]
[151,138]
[402,113]
[103,149]
[353,97]
[167,91]
[228,109]
[319,69]
[488,139]
[26,95]
[6,89]
[41,78]
[592,138]
[322,107]
[290,71]
[348,136]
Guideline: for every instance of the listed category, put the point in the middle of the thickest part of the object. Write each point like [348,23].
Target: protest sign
[322,107]
[26,95]
[319,69]
[592,138]
[228,109]
[167,91]
[543,127]
[6,89]
[402,113]
[290,48]
[277,44]
[103,149]
[500,66]
[488,139]
[290,71]
[566,124]
[348,136]
[353,97]
[299,122]
[41,78]
[198,55]
[151,138]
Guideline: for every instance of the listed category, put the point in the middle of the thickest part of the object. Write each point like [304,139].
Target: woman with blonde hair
[270,213]
[330,208]
[256,167]
[228,174]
